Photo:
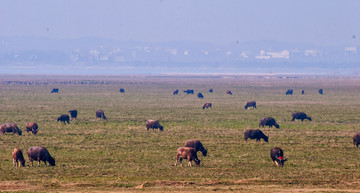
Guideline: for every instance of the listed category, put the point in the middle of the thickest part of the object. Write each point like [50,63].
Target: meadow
[119,155]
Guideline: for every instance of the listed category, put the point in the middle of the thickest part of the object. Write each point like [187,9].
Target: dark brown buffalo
[207,106]
[55,90]
[64,119]
[268,121]
[277,156]
[122,90]
[73,113]
[10,128]
[255,134]
[37,153]
[211,90]
[18,157]
[153,124]
[197,145]
[176,92]
[321,91]
[300,115]
[289,92]
[356,139]
[187,153]
[302,92]
[250,104]
[33,127]
[100,114]
[229,92]
[200,96]
[189,91]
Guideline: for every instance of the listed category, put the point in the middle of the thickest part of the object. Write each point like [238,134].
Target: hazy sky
[321,22]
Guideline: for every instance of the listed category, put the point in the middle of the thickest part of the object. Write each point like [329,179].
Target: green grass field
[120,155]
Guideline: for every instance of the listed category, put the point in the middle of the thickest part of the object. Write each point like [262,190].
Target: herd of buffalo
[188,151]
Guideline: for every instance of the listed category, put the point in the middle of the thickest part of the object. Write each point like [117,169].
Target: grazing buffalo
[255,134]
[176,92]
[189,91]
[320,91]
[229,92]
[10,128]
[64,118]
[268,121]
[40,154]
[302,92]
[207,106]
[250,104]
[73,114]
[211,90]
[289,92]
[153,124]
[356,139]
[33,127]
[300,115]
[200,96]
[100,114]
[18,157]
[197,145]
[122,90]
[55,90]
[277,156]
[187,153]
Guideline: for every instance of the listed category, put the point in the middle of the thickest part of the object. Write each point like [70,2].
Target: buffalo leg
[15,162]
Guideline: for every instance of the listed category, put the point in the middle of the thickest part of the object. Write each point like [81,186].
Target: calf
[153,124]
[33,127]
[64,118]
[40,154]
[100,114]
[255,134]
[268,121]
[250,104]
[10,128]
[207,106]
[229,92]
[73,114]
[197,145]
[356,139]
[18,157]
[277,156]
[300,115]
[187,153]
[176,92]
[200,96]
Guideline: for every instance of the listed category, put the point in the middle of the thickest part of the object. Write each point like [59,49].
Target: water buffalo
[73,114]
[268,121]
[250,104]
[33,127]
[40,154]
[189,91]
[18,157]
[277,156]
[153,124]
[356,139]
[289,92]
[122,90]
[187,153]
[229,92]
[64,119]
[200,96]
[197,145]
[55,90]
[211,90]
[321,91]
[300,115]
[176,92]
[100,114]
[10,128]
[255,134]
[207,105]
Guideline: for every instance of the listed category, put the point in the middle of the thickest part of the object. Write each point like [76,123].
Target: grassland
[120,155]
